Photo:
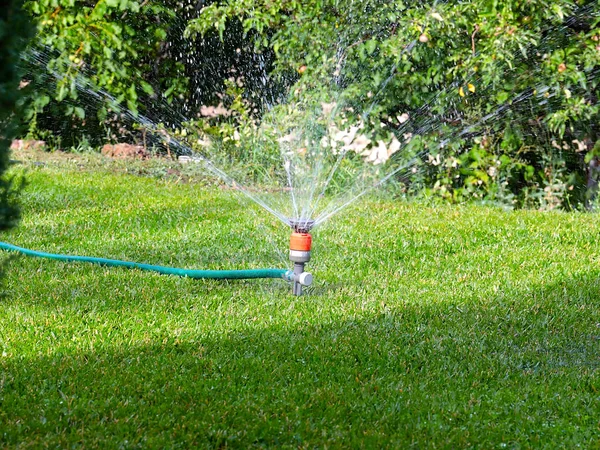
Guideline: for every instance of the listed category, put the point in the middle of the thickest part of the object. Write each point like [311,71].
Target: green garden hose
[287,275]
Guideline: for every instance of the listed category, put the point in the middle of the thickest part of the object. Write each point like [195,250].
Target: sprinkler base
[301,278]
[298,278]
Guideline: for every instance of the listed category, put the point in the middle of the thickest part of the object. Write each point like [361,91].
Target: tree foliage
[509,88]
[119,47]
[14,32]
[501,96]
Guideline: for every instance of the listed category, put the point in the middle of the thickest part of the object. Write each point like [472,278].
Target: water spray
[300,246]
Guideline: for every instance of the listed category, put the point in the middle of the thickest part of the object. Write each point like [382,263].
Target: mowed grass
[427,327]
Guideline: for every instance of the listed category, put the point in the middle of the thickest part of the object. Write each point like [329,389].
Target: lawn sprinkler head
[301,225]
[300,245]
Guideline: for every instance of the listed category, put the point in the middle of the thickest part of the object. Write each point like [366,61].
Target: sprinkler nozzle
[300,245]
[301,224]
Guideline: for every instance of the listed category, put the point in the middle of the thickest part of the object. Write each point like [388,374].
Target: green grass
[427,327]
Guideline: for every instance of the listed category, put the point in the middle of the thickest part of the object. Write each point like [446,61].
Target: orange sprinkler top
[301,242]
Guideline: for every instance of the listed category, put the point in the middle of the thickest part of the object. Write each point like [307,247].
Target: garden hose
[285,274]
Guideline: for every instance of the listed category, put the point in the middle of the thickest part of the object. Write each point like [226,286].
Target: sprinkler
[300,245]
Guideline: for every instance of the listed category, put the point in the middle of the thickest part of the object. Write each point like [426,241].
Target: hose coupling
[305,278]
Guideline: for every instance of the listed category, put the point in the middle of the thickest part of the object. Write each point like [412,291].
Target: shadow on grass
[520,370]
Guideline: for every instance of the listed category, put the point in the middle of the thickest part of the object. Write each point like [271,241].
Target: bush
[528,68]
[119,47]
[134,53]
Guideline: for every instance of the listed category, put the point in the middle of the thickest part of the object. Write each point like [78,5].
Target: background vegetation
[509,88]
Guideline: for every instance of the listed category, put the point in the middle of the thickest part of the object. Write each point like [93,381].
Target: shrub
[119,47]
[529,68]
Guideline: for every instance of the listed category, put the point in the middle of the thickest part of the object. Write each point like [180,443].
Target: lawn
[427,327]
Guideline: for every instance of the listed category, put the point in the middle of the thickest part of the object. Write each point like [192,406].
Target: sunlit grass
[426,327]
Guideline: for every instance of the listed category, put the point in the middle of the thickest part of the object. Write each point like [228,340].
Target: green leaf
[41,102]
[370,46]
[62,92]
[132,107]
[79,112]
[102,114]
[147,88]
[132,92]
[169,91]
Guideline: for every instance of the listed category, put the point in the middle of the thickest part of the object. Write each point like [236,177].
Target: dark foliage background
[15,29]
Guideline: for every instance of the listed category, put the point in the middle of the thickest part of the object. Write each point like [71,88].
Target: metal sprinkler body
[300,246]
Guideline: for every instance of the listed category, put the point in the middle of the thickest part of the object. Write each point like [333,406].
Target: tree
[498,100]
[14,32]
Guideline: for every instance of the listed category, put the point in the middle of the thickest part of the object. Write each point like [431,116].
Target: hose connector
[305,278]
